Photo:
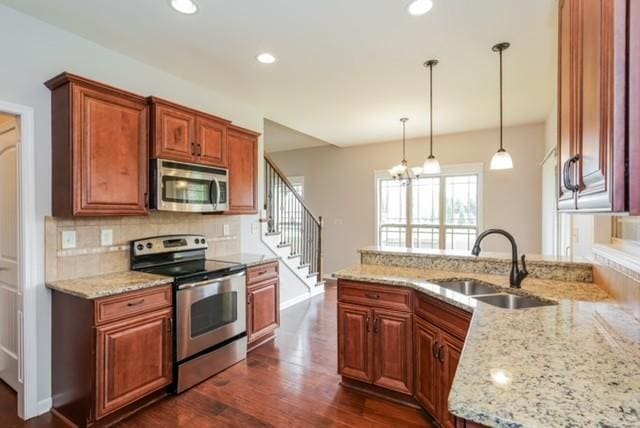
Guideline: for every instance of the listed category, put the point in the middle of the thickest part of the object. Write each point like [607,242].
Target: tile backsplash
[89,257]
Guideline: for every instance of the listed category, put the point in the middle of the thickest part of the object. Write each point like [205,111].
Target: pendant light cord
[404,158]
[430,110]
[501,149]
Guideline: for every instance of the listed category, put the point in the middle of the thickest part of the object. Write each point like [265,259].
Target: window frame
[445,171]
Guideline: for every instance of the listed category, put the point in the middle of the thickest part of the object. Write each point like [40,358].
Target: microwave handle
[217,201]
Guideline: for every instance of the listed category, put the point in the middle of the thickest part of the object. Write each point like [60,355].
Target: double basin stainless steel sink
[491,295]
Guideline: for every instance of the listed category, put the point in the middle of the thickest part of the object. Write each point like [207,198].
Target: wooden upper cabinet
[567,140]
[592,124]
[243,170]
[173,132]
[211,141]
[393,351]
[134,358]
[355,344]
[634,108]
[100,149]
[182,134]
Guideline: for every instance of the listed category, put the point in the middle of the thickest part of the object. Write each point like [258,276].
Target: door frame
[28,244]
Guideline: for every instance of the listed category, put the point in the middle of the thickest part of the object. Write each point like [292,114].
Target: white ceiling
[346,70]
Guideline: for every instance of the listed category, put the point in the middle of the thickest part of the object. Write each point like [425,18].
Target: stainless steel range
[210,304]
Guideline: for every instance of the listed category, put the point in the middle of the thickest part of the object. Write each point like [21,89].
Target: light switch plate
[68,239]
[225,230]
[106,237]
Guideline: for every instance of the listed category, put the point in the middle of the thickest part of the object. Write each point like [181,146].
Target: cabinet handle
[136,303]
[170,325]
[262,272]
[368,328]
[199,149]
[372,296]
[376,323]
[567,172]
[193,148]
[434,349]
[441,354]
[146,199]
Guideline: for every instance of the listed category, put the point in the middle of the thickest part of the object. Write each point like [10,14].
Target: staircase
[291,230]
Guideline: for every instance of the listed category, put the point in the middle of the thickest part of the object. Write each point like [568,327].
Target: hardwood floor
[289,382]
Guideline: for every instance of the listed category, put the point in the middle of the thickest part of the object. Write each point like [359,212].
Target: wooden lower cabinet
[393,359]
[355,345]
[263,304]
[401,351]
[132,359]
[374,344]
[106,366]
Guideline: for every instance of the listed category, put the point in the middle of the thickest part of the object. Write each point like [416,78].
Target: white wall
[549,211]
[339,185]
[33,52]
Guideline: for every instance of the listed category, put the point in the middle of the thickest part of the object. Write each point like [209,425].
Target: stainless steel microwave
[187,187]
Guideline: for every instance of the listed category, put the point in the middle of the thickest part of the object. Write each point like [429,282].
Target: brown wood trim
[362,293]
[443,315]
[633,97]
[156,100]
[240,130]
[114,308]
[251,346]
[66,77]
[377,391]
[261,273]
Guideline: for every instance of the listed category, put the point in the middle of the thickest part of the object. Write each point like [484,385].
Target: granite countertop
[576,363]
[248,259]
[93,287]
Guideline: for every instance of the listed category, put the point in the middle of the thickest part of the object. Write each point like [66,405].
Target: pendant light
[502,159]
[431,165]
[402,171]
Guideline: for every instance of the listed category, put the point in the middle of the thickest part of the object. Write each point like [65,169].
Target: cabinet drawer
[257,274]
[449,318]
[126,305]
[372,295]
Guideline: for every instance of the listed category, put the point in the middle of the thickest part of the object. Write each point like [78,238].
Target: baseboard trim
[44,406]
[295,301]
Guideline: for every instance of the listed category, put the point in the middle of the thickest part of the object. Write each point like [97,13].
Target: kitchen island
[572,363]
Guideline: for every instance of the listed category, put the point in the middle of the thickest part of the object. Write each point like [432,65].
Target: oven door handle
[209,282]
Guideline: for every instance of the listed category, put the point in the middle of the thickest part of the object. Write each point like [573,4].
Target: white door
[9,283]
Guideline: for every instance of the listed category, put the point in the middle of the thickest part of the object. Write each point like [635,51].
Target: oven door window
[188,190]
[213,312]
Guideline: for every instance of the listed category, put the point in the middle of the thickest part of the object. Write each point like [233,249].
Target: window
[444,209]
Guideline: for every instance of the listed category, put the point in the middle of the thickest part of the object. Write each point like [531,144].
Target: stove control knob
[140,247]
[197,241]
[149,245]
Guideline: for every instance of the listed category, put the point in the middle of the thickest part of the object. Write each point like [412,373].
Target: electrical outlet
[106,237]
[68,239]
[225,230]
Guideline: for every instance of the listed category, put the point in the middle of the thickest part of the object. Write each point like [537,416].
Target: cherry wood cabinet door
[243,171]
[173,133]
[134,358]
[567,103]
[427,378]
[263,309]
[110,153]
[355,344]
[634,108]
[449,358]
[211,142]
[602,86]
[393,358]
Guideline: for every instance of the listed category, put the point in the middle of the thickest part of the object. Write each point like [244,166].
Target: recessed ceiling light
[266,58]
[187,7]
[420,7]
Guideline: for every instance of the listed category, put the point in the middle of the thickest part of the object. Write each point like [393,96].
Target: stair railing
[289,215]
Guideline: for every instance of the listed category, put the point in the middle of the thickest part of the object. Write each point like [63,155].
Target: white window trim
[297,179]
[445,170]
